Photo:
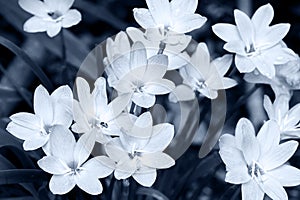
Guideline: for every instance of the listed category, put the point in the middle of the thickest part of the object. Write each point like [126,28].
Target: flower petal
[53,29]
[114,150]
[43,105]
[35,24]
[146,178]
[144,18]
[62,184]
[26,120]
[138,56]
[53,165]
[244,64]
[245,27]
[251,190]
[238,175]
[274,189]
[279,155]
[35,142]
[125,168]
[157,160]
[34,7]
[182,93]
[264,66]
[61,6]
[142,127]
[100,96]
[71,18]
[160,11]
[226,32]
[268,136]
[269,107]
[179,7]
[263,16]
[246,140]
[100,166]
[143,99]
[187,23]
[88,182]
[159,87]
[288,176]
[84,147]
[231,156]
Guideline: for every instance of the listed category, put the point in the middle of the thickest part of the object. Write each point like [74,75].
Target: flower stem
[162,47]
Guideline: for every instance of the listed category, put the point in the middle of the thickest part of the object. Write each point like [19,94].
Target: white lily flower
[177,16]
[174,44]
[139,151]
[286,80]
[50,111]
[69,166]
[139,78]
[93,114]
[255,42]
[287,119]
[49,15]
[203,76]
[258,162]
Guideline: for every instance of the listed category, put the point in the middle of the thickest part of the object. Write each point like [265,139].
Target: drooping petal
[252,191]
[274,189]
[246,140]
[286,175]
[53,165]
[238,175]
[279,155]
[268,136]
[188,23]
[71,18]
[144,18]
[62,143]
[43,105]
[162,137]
[35,24]
[34,7]
[226,32]
[62,184]
[53,29]
[159,87]
[146,178]
[84,147]
[244,64]
[157,160]
[143,99]
[35,142]
[88,182]
[182,93]
[100,166]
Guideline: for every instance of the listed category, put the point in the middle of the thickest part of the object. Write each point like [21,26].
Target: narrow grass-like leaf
[16,176]
[20,53]
[150,192]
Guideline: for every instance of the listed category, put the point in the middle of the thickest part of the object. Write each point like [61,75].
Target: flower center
[251,50]
[99,124]
[55,15]
[256,171]
[46,130]
[138,86]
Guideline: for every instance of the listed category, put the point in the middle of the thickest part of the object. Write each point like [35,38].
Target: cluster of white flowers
[136,66]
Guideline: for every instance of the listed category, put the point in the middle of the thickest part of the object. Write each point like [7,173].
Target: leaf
[16,176]
[20,53]
[150,192]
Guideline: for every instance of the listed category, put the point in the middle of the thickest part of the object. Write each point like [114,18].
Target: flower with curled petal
[50,111]
[139,151]
[49,15]
[92,112]
[177,16]
[258,162]
[135,76]
[257,45]
[287,119]
[69,166]
[203,76]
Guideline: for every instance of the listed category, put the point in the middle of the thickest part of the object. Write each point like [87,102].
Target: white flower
[177,16]
[286,80]
[93,114]
[49,15]
[256,44]
[135,76]
[69,166]
[50,111]
[174,44]
[203,76]
[287,120]
[258,162]
[139,151]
